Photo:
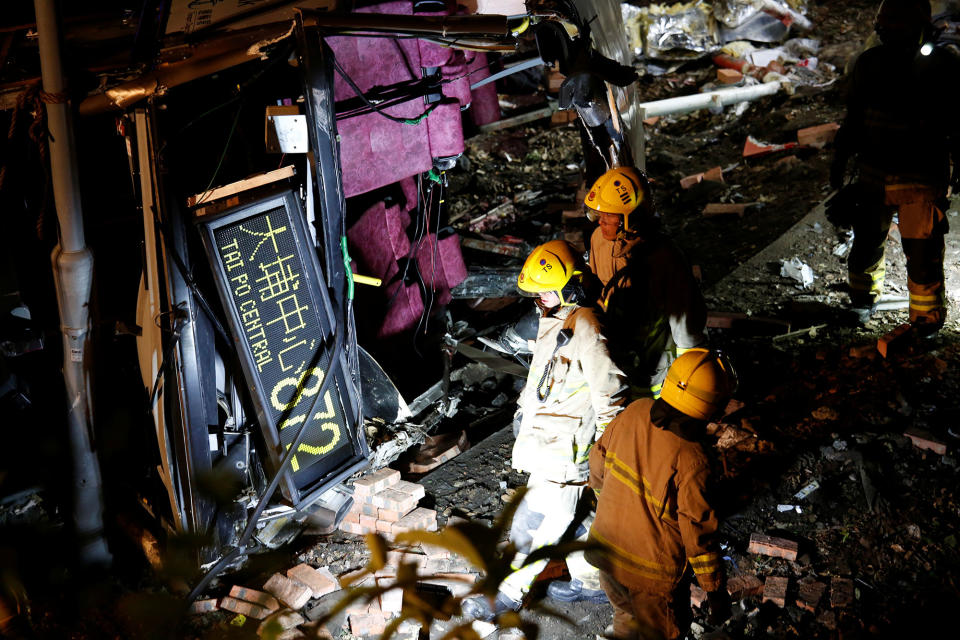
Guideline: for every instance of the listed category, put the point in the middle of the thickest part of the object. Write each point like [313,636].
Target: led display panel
[271,286]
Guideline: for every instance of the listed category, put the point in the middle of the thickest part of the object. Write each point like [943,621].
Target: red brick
[841,592]
[352,516]
[286,619]
[775,547]
[554,80]
[385,526]
[203,606]
[390,601]
[292,593]
[368,510]
[714,175]
[729,76]
[392,499]
[744,586]
[562,117]
[818,136]
[369,522]
[809,594]
[257,597]
[894,340]
[688,181]
[248,609]
[775,590]
[376,481]
[320,581]
[722,209]
[419,518]
[358,607]
[923,440]
[697,596]
[353,527]
[411,489]
[652,120]
[367,624]
[391,515]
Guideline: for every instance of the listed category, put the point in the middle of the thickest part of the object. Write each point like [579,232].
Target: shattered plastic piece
[798,270]
[783,508]
[807,490]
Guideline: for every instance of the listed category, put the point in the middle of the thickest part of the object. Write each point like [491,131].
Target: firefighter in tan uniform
[573,391]
[901,125]
[650,475]
[653,307]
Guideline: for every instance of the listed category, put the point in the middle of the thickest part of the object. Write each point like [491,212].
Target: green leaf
[378,552]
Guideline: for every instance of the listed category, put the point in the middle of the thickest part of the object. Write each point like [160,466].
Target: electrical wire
[377,108]
[223,155]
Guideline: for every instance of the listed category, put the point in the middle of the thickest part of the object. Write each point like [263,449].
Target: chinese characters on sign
[280,323]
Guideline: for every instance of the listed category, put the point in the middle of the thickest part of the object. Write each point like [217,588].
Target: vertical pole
[73,273]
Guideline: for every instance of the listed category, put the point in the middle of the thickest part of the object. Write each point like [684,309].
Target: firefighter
[573,391]
[653,306]
[901,128]
[653,518]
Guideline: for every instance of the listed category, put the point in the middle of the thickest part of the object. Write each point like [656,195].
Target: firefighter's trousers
[646,614]
[922,227]
[547,511]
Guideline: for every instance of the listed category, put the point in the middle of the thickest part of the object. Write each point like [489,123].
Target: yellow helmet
[699,383]
[620,191]
[552,267]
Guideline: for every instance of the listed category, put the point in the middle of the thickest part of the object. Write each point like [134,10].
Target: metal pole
[73,273]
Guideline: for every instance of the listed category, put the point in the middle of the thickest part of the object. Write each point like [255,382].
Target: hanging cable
[378,108]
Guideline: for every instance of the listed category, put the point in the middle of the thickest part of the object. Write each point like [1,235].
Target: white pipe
[719,98]
[73,274]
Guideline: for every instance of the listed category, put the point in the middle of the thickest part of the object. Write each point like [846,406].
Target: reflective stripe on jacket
[582,393]
[651,510]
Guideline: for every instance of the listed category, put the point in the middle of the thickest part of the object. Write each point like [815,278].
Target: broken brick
[893,340]
[391,601]
[722,209]
[774,547]
[320,581]
[257,597]
[688,181]
[818,136]
[729,76]
[924,440]
[697,596]
[753,147]
[744,586]
[375,482]
[243,607]
[285,619]
[809,594]
[292,593]
[367,624]
[203,606]
[775,590]
[652,120]
[841,592]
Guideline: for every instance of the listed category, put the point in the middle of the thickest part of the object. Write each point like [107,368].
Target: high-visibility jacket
[572,393]
[652,513]
[653,305]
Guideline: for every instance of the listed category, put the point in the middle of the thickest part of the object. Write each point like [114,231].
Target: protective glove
[719,602]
